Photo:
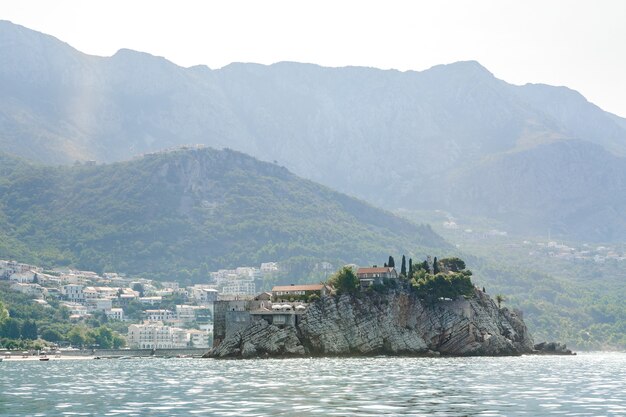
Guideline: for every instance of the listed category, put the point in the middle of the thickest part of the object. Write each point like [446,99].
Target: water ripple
[585,385]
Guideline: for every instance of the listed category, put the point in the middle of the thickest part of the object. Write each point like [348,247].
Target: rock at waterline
[395,323]
[552,348]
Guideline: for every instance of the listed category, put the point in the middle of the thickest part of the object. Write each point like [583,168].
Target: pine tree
[403,267]
[391,263]
[435,266]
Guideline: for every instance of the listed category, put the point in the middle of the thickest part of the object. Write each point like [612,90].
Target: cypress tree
[410,267]
[435,266]
[391,263]
[403,267]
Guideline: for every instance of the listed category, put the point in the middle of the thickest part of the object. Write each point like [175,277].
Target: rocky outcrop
[395,323]
[260,338]
[552,348]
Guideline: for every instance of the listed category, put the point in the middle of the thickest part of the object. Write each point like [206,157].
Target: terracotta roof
[306,287]
[379,270]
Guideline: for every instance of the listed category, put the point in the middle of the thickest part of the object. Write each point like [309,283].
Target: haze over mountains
[452,137]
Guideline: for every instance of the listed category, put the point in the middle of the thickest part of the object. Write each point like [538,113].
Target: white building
[107,292]
[149,336]
[180,338]
[269,267]
[99,304]
[170,284]
[33,290]
[90,293]
[115,314]
[160,315]
[151,300]
[186,313]
[239,287]
[23,277]
[76,310]
[157,336]
[199,339]
[73,292]
[203,295]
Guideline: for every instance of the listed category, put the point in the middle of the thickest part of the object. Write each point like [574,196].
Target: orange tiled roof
[306,287]
[378,270]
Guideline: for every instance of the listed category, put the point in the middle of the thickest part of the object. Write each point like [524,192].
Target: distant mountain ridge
[183,213]
[421,140]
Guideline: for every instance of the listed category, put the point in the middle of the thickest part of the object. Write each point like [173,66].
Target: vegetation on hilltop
[442,279]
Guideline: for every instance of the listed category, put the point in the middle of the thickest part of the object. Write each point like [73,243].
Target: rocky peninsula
[395,322]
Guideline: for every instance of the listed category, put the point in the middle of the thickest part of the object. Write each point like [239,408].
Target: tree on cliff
[391,263]
[499,299]
[410,268]
[403,267]
[344,280]
[435,266]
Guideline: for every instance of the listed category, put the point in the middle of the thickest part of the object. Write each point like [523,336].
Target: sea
[589,384]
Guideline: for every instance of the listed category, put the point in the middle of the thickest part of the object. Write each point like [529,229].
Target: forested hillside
[180,214]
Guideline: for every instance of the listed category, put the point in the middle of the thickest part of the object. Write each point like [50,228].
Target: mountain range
[537,158]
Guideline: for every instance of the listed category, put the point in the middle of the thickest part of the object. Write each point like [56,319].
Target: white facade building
[157,336]
[33,290]
[149,336]
[99,304]
[160,315]
[73,292]
[151,300]
[204,295]
[199,339]
[23,277]
[115,314]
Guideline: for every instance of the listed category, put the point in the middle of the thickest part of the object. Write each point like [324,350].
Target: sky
[579,44]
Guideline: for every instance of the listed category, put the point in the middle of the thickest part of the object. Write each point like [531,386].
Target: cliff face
[396,323]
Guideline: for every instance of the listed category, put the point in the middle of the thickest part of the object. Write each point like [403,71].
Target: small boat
[44,358]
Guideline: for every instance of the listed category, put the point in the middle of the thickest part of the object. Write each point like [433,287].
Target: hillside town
[159,314]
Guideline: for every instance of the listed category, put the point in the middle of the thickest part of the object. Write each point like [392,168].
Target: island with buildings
[431,309]
[428,308]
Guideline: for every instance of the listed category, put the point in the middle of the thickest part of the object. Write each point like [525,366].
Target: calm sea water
[588,384]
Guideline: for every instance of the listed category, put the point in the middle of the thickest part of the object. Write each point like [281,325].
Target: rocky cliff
[396,323]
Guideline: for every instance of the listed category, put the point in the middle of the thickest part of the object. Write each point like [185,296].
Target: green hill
[178,214]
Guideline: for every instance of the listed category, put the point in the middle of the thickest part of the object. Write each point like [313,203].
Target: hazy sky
[580,44]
